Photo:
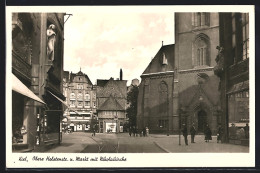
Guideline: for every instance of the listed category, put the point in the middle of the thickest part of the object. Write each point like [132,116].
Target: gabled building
[155,93]
[111,96]
[80,96]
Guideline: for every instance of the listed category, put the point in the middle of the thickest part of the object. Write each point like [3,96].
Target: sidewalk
[170,144]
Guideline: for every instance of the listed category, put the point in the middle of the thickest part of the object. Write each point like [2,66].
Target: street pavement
[80,142]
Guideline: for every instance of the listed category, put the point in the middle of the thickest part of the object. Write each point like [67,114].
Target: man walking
[192,133]
[185,133]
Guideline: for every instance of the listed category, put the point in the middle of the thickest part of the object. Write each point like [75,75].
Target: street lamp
[180,112]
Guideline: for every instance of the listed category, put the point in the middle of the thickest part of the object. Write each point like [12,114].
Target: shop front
[238,111]
[24,116]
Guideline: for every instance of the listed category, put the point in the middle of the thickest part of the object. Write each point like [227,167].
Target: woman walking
[207,134]
[220,132]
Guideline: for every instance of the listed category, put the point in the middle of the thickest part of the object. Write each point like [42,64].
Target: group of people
[207,133]
[135,132]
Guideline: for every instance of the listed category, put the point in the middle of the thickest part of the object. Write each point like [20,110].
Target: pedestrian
[192,132]
[246,129]
[220,133]
[207,133]
[147,131]
[134,131]
[185,133]
[94,130]
[130,131]
[144,132]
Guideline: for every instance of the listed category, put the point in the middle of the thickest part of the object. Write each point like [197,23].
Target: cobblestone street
[79,142]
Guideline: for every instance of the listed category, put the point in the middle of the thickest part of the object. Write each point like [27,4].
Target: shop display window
[238,111]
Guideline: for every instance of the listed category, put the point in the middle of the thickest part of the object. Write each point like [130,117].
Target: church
[179,85]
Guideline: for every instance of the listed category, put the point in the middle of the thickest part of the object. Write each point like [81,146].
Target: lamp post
[180,126]
[116,117]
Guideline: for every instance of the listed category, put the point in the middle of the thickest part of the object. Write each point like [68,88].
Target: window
[87,103]
[146,88]
[201,55]
[233,16]
[80,96]
[164,61]
[94,96]
[87,96]
[80,104]
[79,86]
[200,19]
[163,98]
[245,33]
[72,103]
[72,95]
[94,104]
[240,36]
[238,111]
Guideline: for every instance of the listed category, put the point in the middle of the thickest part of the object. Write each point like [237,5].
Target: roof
[101,82]
[69,76]
[156,65]
[111,104]
[113,87]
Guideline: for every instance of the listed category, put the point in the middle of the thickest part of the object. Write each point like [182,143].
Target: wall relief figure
[51,39]
[219,68]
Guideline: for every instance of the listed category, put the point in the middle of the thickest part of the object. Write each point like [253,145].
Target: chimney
[121,74]
[162,43]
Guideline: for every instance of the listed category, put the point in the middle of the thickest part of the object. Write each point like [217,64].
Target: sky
[100,41]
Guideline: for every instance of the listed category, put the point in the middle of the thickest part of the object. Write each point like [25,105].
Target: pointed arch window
[201,52]
[200,19]
[163,98]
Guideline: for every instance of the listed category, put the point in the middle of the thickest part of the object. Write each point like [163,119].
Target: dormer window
[165,62]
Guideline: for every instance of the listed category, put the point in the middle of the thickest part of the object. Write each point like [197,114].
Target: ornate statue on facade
[51,38]
[219,68]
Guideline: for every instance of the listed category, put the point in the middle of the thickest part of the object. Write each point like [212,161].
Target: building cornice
[198,29]
[157,74]
[196,70]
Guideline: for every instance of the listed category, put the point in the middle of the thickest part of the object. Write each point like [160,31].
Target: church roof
[163,60]
[111,104]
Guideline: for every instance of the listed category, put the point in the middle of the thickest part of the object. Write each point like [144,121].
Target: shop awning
[58,98]
[62,101]
[19,87]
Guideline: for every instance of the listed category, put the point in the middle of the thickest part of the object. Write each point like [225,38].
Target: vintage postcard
[130,86]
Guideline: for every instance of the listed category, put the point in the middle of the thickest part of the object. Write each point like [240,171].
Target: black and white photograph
[130,86]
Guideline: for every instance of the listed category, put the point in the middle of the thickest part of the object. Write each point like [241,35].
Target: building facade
[37,68]
[155,93]
[111,96]
[196,95]
[179,87]
[81,99]
[232,68]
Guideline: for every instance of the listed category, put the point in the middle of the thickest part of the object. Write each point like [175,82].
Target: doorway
[202,120]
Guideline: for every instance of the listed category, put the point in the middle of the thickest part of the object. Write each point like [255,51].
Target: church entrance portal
[202,120]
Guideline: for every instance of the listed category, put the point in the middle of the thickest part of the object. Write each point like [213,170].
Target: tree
[131,111]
